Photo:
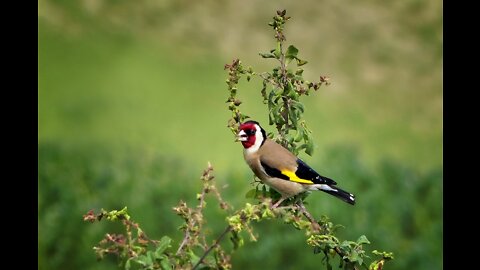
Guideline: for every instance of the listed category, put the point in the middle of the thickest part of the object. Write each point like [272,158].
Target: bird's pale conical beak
[242,136]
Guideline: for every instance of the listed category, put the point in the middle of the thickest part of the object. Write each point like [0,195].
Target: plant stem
[285,99]
[217,241]
[315,225]
[185,239]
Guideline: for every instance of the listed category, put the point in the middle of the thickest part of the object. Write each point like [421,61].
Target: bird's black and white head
[251,135]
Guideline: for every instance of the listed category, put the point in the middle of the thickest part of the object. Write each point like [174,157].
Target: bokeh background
[131,107]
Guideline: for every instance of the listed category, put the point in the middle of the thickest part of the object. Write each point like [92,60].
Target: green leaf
[267,55]
[360,260]
[293,95]
[300,107]
[309,149]
[144,260]
[306,136]
[291,52]
[165,264]
[236,239]
[353,257]
[293,114]
[140,260]
[149,258]
[299,135]
[271,98]
[162,246]
[289,87]
[290,75]
[363,240]
[127,264]
[277,115]
[301,62]
[278,50]
[303,146]
[251,194]
[288,138]
[193,257]
[384,254]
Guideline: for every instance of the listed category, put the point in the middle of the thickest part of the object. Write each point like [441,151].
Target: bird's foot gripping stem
[278,203]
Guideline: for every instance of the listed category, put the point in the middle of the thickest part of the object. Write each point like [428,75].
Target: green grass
[116,91]
[398,209]
[155,77]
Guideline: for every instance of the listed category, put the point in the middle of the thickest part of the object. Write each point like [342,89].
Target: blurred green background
[131,107]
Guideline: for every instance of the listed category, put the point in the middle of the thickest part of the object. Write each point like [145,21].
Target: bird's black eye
[250,132]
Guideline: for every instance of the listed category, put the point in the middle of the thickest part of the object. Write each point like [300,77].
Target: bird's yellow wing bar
[293,177]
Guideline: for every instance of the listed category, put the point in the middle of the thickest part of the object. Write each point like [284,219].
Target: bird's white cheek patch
[258,142]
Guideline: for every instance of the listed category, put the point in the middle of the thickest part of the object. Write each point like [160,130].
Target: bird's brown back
[277,156]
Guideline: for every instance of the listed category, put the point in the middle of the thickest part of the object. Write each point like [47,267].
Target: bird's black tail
[339,193]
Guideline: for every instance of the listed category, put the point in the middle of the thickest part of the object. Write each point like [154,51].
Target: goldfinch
[280,169]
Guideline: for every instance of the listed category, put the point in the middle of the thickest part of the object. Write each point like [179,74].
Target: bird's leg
[278,202]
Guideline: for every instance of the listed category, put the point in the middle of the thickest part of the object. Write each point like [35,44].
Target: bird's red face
[246,134]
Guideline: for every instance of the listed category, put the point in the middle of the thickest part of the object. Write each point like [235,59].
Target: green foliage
[235,70]
[138,251]
[285,87]
[131,246]
[130,249]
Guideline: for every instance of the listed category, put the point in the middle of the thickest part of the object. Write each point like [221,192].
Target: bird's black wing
[272,172]
[305,172]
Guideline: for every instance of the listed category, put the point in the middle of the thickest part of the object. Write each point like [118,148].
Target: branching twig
[315,225]
[184,242]
[217,241]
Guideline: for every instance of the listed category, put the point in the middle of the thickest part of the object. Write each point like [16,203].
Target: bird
[280,169]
